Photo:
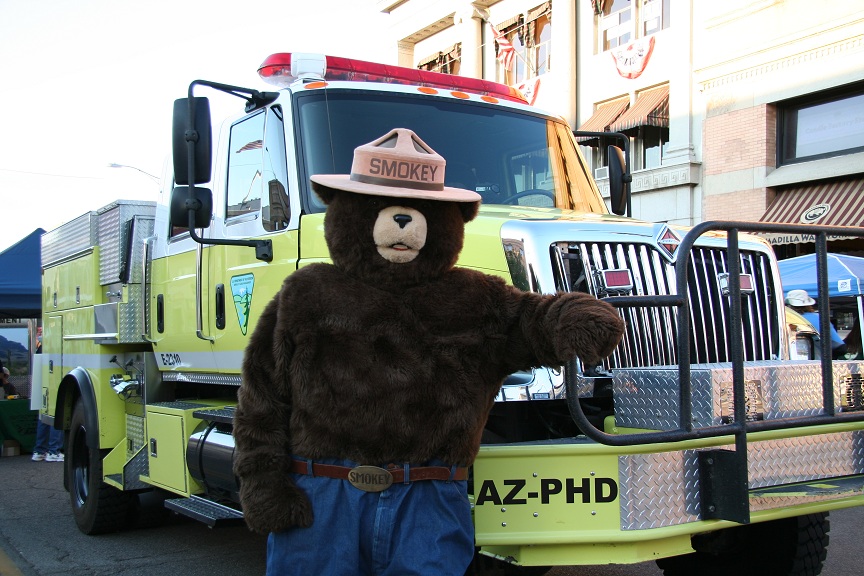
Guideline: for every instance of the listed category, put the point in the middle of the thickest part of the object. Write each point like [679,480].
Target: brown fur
[377,362]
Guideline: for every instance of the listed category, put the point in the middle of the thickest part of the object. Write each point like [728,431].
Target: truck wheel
[788,547]
[97,507]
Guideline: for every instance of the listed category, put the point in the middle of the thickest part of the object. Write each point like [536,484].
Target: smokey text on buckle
[370,478]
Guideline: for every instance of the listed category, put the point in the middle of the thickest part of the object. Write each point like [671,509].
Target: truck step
[206,511]
[221,415]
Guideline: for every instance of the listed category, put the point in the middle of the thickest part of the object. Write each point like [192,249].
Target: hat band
[396,183]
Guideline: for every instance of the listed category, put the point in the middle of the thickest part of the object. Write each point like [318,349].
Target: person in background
[8,388]
[802,303]
[49,440]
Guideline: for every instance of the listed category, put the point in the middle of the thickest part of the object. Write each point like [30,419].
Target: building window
[620,21]
[542,45]
[530,35]
[654,16]
[446,61]
[511,70]
[616,26]
[647,146]
[645,122]
[820,126]
[594,149]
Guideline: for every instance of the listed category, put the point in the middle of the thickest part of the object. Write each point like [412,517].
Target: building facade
[781,85]
[735,110]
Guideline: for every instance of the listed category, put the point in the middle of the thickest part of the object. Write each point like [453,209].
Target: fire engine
[707,441]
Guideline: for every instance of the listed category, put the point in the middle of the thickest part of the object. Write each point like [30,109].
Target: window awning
[428,59]
[531,21]
[453,52]
[827,203]
[509,23]
[604,115]
[650,109]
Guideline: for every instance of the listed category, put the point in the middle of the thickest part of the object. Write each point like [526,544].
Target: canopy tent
[845,278]
[845,274]
[21,278]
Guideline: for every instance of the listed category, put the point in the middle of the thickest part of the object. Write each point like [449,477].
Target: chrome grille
[651,338]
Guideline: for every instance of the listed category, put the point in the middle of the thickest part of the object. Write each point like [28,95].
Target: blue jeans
[417,528]
[49,440]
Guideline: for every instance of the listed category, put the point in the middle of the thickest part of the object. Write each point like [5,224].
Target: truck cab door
[254,200]
[177,268]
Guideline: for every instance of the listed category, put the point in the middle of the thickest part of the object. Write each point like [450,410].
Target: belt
[376,479]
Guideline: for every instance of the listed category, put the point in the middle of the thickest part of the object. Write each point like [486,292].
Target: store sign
[778,239]
[815,213]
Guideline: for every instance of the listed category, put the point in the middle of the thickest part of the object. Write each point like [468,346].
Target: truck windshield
[509,157]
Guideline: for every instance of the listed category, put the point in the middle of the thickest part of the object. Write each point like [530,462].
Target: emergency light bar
[277,69]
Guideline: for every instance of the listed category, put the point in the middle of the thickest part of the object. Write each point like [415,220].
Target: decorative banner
[529,89]
[631,59]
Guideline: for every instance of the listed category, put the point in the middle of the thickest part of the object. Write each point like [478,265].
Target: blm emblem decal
[241,290]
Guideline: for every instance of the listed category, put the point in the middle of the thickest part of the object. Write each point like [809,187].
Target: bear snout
[399,233]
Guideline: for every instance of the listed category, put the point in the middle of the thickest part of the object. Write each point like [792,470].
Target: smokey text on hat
[402,169]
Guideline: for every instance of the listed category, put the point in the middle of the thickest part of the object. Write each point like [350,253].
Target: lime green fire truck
[708,441]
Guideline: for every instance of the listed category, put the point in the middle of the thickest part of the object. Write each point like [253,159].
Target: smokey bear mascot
[367,382]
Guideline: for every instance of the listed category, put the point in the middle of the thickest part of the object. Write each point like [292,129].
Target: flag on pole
[506,52]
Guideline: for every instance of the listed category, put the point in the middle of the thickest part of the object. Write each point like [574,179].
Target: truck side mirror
[198,131]
[617,182]
[202,203]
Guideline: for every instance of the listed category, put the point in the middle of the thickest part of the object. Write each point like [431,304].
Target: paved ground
[38,537]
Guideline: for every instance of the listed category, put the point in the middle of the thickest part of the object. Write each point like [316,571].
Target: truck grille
[651,337]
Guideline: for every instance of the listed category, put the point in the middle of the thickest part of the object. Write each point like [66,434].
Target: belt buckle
[370,478]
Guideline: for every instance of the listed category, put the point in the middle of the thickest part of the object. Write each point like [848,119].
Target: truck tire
[97,507]
[788,547]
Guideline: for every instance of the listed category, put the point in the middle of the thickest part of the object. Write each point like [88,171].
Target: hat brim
[800,302]
[344,182]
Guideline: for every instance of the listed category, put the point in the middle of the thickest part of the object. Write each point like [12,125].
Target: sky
[87,83]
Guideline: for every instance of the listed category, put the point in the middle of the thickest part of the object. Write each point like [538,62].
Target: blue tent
[845,275]
[845,278]
[21,278]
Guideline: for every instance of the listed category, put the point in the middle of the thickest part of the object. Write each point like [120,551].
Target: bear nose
[402,220]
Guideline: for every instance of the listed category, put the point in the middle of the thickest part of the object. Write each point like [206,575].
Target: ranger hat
[398,164]
[799,298]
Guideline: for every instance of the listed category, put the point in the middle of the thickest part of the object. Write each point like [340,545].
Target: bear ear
[324,192]
[469,210]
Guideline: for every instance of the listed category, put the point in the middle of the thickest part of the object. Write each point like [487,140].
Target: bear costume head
[396,190]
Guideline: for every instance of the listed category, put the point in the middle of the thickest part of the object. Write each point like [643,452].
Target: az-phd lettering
[586,490]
